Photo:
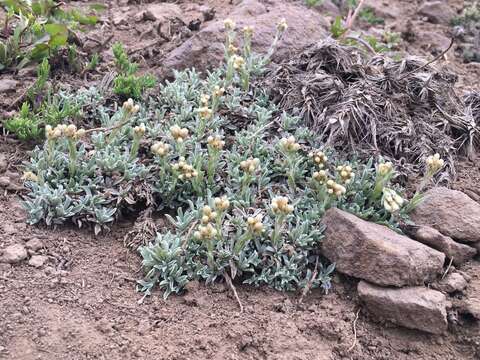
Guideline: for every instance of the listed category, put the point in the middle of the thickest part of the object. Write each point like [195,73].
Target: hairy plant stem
[213,158]
[245,184]
[135,147]
[72,154]
[180,145]
[242,242]
[245,78]
[115,129]
[279,219]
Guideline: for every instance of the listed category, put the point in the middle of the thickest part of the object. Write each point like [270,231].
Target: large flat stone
[459,253]
[377,254]
[412,307]
[451,212]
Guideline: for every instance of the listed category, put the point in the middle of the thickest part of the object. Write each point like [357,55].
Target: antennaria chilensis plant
[249,185]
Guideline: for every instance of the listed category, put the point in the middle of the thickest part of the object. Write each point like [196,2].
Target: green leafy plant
[368,15]
[36,30]
[127,84]
[41,107]
[313,2]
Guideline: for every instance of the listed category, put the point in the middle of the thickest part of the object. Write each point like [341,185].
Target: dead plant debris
[403,109]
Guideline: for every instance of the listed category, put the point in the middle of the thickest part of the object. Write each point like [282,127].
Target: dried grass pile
[403,109]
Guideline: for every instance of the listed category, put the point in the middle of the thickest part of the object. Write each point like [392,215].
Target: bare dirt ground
[82,304]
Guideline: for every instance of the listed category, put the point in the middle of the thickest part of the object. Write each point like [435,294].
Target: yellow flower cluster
[250,165]
[208,215]
[186,171]
[289,144]
[216,142]
[335,189]
[160,148]
[434,163]
[178,134]
[139,131]
[319,158]
[282,25]
[205,112]
[346,173]
[218,91]
[204,99]
[238,62]
[205,232]
[221,203]
[248,31]
[320,176]
[29,176]
[229,24]
[280,205]
[255,224]
[391,200]
[130,107]
[69,131]
[232,49]
[385,168]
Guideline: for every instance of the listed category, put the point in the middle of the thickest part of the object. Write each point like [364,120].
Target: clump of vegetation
[37,30]
[468,27]
[250,183]
[43,107]
[368,15]
[127,84]
[469,17]
[313,2]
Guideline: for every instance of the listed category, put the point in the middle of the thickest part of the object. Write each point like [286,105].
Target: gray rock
[37,261]
[476,246]
[460,253]
[452,283]
[34,244]
[375,253]
[327,8]
[3,163]
[451,212]
[205,49]
[7,85]
[14,254]
[412,307]
[473,308]
[437,12]
[470,306]
[163,11]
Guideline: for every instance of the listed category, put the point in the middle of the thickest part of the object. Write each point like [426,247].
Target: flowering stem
[123,121]
[378,189]
[72,149]
[201,127]
[135,147]
[245,184]
[163,166]
[212,165]
[247,48]
[245,78]
[276,230]
[230,72]
[210,257]
[50,150]
[180,148]
[215,103]
[242,242]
